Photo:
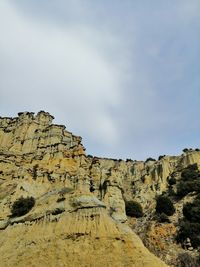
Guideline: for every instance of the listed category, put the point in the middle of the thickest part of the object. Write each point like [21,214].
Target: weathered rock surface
[79,217]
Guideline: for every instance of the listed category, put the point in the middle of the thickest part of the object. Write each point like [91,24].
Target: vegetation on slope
[22,206]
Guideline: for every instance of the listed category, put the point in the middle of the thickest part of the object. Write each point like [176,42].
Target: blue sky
[125,75]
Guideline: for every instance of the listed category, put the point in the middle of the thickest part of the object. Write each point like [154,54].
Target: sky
[124,75]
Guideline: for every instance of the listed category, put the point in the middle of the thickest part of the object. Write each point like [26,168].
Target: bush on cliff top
[150,159]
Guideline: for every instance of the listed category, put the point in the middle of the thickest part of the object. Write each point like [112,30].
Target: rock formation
[79,217]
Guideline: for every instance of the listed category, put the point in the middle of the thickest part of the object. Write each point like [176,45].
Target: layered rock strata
[79,217]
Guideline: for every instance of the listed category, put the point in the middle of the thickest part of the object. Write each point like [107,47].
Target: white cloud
[119,75]
[63,70]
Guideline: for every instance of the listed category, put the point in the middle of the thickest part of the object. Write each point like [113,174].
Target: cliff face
[79,216]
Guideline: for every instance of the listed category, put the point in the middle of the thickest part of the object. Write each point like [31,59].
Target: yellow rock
[79,216]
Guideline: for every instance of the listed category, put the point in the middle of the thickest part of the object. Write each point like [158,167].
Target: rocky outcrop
[28,134]
[87,237]
[79,217]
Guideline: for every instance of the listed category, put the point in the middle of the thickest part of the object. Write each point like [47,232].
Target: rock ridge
[79,218]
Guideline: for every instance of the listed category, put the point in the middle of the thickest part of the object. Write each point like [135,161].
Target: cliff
[79,216]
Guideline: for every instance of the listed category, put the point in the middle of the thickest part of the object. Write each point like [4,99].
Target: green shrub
[184,188]
[22,206]
[164,205]
[133,209]
[189,230]
[191,211]
[171,181]
[190,173]
[149,159]
[35,168]
[57,211]
[161,157]
[186,260]
[190,181]
[60,199]
[163,218]
[190,226]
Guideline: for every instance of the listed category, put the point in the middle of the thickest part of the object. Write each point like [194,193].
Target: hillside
[73,209]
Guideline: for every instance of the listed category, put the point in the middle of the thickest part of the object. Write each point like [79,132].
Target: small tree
[133,209]
[150,159]
[164,205]
[22,206]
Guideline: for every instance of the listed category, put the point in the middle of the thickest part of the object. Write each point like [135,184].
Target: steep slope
[85,237]
[79,216]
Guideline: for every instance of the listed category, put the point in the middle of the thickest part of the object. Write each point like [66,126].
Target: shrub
[171,181]
[191,211]
[92,187]
[149,159]
[190,181]
[129,160]
[164,205]
[60,199]
[184,188]
[186,260]
[35,167]
[133,209]
[57,211]
[22,206]
[190,173]
[163,218]
[189,230]
[161,156]
[190,226]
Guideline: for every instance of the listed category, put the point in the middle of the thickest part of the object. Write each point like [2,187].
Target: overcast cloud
[122,74]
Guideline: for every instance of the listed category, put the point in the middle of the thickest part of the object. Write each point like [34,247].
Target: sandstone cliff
[79,216]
